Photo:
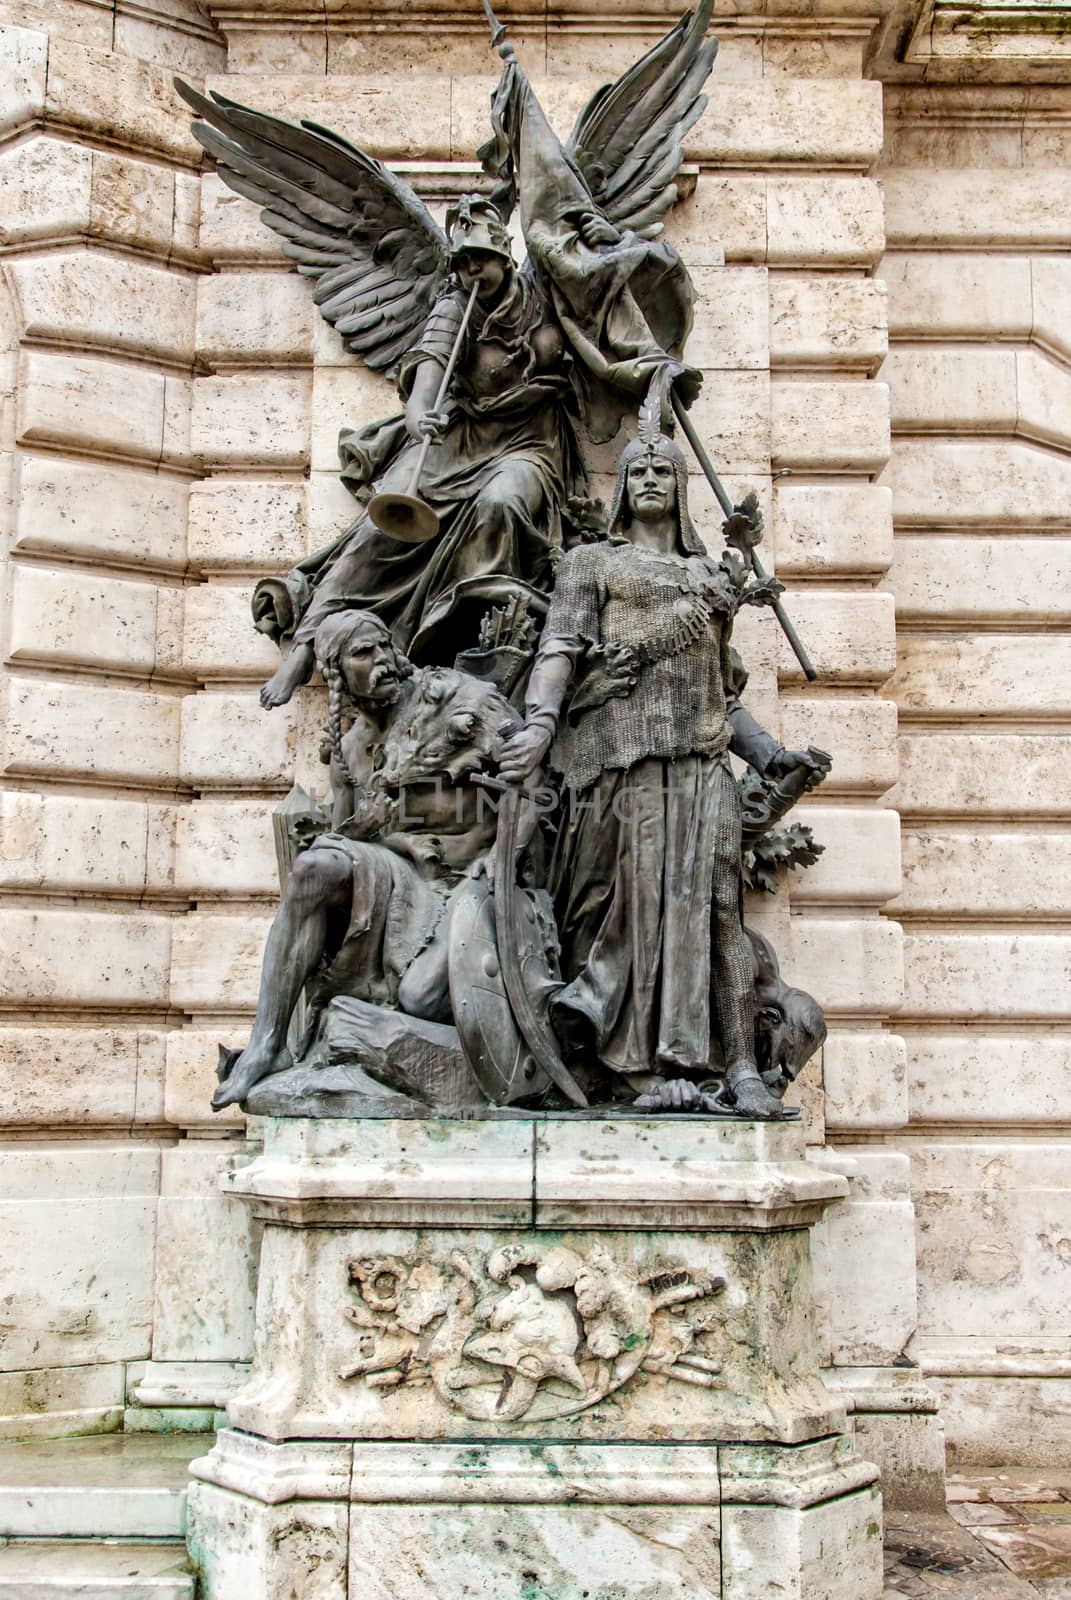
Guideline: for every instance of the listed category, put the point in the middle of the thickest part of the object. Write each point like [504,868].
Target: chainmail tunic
[615,592]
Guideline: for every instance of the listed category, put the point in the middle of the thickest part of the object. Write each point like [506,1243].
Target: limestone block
[66,618]
[976,774]
[190,1082]
[870,1293]
[794,56]
[824,1552]
[971,1076]
[76,1272]
[205,1260]
[909,1449]
[328,349]
[830,427]
[226,847]
[176,446]
[987,872]
[331,508]
[981,579]
[216,961]
[346,397]
[369,110]
[1050,286]
[152,38]
[64,729]
[45,190]
[1004,483]
[952,389]
[111,960]
[732,319]
[254,418]
[732,417]
[968,295]
[230,228]
[121,100]
[219,639]
[986,974]
[865,1080]
[229,741]
[824,222]
[71,1076]
[859,734]
[187,212]
[94,300]
[134,202]
[724,220]
[966,209]
[104,406]
[995,674]
[990,1420]
[1043,389]
[785,120]
[861,859]
[827,321]
[849,636]
[23,70]
[992,1224]
[835,529]
[83,509]
[243,524]
[849,965]
[626,1552]
[57,1402]
[67,843]
[261,317]
[242,1546]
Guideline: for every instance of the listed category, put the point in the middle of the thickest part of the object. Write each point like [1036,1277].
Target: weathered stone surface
[732,417]
[227,742]
[219,641]
[824,222]
[828,1551]
[242,1546]
[964,209]
[24,58]
[59,728]
[985,873]
[98,92]
[865,1080]
[980,579]
[973,1076]
[861,860]
[1006,675]
[92,512]
[251,418]
[205,1260]
[980,773]
[225,848]
[732,320]
[67,843]
[216,961]
[77,1269]
[861,731]
[724,220]
[93,300]
[46,190]
[991,1419]
[986,974]
[969,294]
[264,318]
[68,1076]
[871,1294]
[56,1402]
[855,966]
[62,618]
[950,390]
[827,321]
[829,427]
[90,404]
[192,1056]
[246,525]
[136,203]
[111,960]
[840,528]
[369,111]
[1000,483]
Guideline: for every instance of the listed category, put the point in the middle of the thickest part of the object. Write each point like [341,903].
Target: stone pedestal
[532,1358]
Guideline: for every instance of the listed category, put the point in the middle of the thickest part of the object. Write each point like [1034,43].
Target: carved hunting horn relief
[512,670]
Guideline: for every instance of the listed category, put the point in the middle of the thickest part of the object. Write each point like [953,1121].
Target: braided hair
[334,637]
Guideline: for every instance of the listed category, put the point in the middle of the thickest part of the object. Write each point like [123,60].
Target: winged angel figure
[567,342]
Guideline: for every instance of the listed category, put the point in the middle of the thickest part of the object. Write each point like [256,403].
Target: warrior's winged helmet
[474,224]
[652,441]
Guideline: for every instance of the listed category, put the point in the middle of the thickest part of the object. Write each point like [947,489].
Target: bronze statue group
[535,848]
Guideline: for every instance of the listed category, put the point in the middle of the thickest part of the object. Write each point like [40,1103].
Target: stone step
[114,1486]
[67,1570]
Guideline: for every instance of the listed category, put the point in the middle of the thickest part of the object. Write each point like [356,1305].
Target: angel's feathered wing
[629,139]
[357,228]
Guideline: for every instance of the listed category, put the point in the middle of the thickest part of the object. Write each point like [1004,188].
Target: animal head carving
[452,724]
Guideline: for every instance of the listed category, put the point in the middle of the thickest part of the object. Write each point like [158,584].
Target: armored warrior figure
[647,879]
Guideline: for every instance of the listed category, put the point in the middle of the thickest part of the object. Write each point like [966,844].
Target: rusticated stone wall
[172,404]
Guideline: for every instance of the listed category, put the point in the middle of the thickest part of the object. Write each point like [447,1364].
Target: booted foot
[247,1070]
[295,670]
[751,1096]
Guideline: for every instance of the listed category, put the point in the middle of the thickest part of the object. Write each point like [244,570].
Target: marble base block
[535,1358]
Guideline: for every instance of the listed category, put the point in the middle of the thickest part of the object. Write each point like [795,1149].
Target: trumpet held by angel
[535,357]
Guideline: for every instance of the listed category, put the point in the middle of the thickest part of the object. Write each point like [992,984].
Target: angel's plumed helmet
[650,441]
[474,224]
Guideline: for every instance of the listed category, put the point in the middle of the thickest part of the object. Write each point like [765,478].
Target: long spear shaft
[727,506]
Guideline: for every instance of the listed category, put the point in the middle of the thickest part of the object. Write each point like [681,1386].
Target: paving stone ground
[1006,1536]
